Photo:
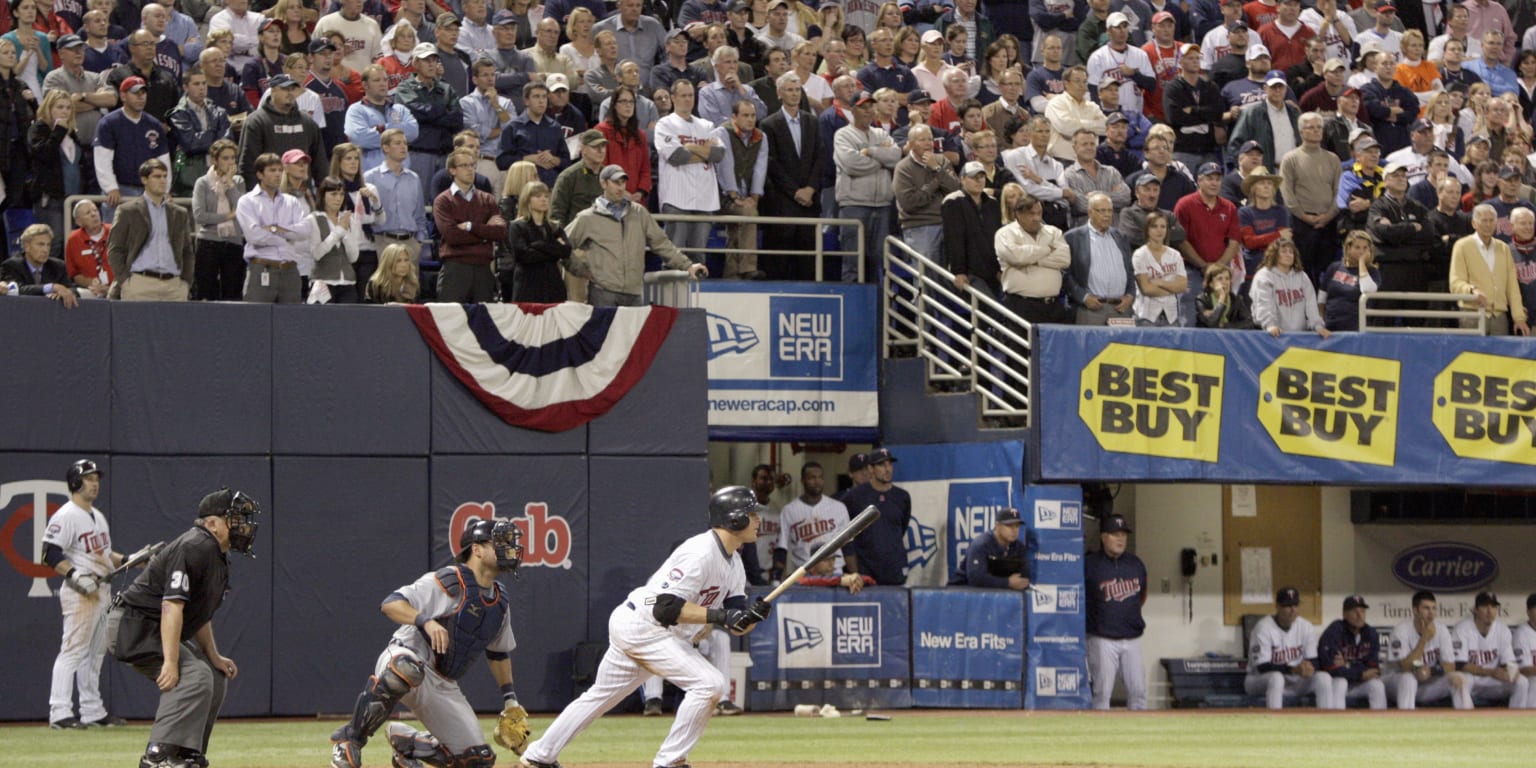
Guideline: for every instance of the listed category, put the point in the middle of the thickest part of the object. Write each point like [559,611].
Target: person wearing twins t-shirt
[1425,656]
[1282,655]
[1524,643]
[1490,656]
[1351,653]
[1116,590]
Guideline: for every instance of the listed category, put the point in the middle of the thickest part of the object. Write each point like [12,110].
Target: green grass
[1438,738]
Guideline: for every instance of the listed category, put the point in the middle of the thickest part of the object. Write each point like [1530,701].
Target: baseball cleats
[727,709]
[524,762]
[652,708]
[67,724]
[347,754]
[109,721]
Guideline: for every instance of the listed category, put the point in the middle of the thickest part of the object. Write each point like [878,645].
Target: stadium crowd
[1209,162]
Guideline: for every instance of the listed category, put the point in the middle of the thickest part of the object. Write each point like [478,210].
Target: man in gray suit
[150,247]
[1100,283]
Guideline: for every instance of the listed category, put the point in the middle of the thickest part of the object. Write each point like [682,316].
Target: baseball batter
[1490,664]
[1351,654]
[1117,589]
[1282,655]
[448,618]
[1424,657]
[78,546]
[1524,642]
[717,648]
[701,584]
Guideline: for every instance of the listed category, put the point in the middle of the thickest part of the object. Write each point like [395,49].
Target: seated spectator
[1282,294]
[610,239]
[334,236]
[196,123]
[1345,281]
[34,272]
[57,159]
[396,280]
[1160,276]
[220,264]
[995,559]
[85,252]
[539,247]
[275,226]
[1261,221]
[1218,305]
[469,223]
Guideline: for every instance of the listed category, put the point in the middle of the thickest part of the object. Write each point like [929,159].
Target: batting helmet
[731,508]
[505,538]
[75,477]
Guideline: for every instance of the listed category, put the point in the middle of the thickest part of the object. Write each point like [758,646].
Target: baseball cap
[812,32]
[1479,137]
[503,17]
[295,156]
[1250,146]
[556,82]
[424,51]
[1256,51]
[445,20]
[858,461]
[1508,172]
[1208,169]
[864,100]
[1287,596]
[1485,598]
[1275,77]
[1365,141]
[612,173]
[919,96]
[320,45]
[1161,16]
[1147,179]
[1116,19]
[1238,26]
[1394,167]
[277,81]
[1386,8]
[1332,64]
[1116,117]
[1354,92]
[593,138]
[136,84]
[881,455]
[1114,523]
[740,6]
[1009,516]
[973,168]
[1188,48]
[772,4]
[69,41]
[1354,601]
[933,36]
[676,32]
[266,22]
[1421,125]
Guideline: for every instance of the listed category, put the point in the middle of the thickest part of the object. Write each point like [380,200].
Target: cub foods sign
[1445,566]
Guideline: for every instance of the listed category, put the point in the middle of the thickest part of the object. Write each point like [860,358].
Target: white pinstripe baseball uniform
[1288,648]
[86,540]
[1523,641]
[803,528]
[1495,649]
[1442,649]
[700,571]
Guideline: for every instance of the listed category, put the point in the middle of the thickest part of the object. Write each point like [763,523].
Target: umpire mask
[239,512]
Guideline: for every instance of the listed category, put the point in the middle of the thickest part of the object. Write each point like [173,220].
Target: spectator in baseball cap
[881,550]
[995,559]
[1117,588]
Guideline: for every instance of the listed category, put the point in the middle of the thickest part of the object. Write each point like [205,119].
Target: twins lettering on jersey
[708,596]
[95,542]
[1287,655]
[809,530]
[1287,297]
[1120,590]
[1483,657]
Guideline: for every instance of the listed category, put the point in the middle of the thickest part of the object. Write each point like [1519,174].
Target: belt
[397,235]
[1041,299]
[271,264]
[158,275]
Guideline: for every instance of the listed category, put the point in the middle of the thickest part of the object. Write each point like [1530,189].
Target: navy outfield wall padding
[547,495]
[662,415]
[642,507]
[351,533]
[155,498]
[184,385]
[462,424]
[350,384]
[58,374]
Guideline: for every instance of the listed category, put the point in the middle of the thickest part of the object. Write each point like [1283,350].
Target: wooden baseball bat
[827,550]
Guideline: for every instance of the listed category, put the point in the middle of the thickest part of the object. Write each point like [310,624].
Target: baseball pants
[1496,690]
[187,712]
[438,704]
[638,649]
[78,666]
[716,648]
[1527,686]
[1109,658]
[1275,685]
[1373,691]
[1409,692]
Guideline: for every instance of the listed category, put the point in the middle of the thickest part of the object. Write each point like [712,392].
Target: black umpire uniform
[192,570]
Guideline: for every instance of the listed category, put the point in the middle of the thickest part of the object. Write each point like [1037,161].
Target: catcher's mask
[504,537]
[239,512]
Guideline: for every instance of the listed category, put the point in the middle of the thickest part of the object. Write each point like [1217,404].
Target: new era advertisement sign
[816,635]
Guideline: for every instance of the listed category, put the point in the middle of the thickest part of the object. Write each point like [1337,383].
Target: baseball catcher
[448,618]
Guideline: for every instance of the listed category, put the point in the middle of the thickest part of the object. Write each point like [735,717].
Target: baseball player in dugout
[996,558]
[1282,655]
[1490,668]
[162,626]
[1525,655]
[701,585]
[1350,653]
[881,550]
[1425,656]
[448,619]
[1117,589]
[807,522]
[78,546]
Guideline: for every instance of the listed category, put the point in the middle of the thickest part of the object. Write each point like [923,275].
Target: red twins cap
[1161,16]
[133,84]
[1287,596]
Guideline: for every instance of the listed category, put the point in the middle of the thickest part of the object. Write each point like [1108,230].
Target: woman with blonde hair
[220,255]
[1474,113]
[57,160]
[363,201]
[396,281]
[1346,280]
[889,17]
[539,248]
[581,49]
[517,178]
[397,58]
[832,20]
[1441,114]
[296,24]
[1282,294]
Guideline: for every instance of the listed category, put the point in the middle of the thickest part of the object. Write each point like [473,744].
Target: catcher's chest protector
[473,625]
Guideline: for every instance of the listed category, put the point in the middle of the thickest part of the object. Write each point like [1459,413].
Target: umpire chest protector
[477,620]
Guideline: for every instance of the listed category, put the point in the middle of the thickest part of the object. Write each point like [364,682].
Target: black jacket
[969,230]
[788,171]
[1205,108]
[538,251]
[1392,223]
[43,143]
[16,270]
[15,116]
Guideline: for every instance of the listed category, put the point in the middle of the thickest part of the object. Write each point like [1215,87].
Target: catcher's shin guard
[378,700]
[415,748]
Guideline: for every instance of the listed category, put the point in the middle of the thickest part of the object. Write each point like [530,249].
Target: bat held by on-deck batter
[138,558]
[837,542]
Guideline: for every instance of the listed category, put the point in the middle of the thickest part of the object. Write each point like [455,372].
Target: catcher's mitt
[512,728]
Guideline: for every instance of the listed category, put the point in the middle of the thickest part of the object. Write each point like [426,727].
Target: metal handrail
[820,251]
[1456,314]
[923,311]
[672,288]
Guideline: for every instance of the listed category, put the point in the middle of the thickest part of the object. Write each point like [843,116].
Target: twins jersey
[1104,69]
[439,595]
[699,571]
[1443,649]
[1494,649]
[803,528]
[691,187]
[767,533]
[1287,647]
[83,536]
[1524,645]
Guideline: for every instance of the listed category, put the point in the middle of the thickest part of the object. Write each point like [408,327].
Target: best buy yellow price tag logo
[1154,401]
[1485,407]
[1331,406]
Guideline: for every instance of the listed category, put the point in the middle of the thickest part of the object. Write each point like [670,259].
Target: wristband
[508,696]
[421,621]
[714,616]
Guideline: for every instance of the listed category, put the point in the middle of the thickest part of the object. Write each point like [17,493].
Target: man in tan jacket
[609,241]
[1482,265]
[1032,255]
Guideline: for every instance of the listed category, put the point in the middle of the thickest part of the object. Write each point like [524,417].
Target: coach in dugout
[1116,583]
[996,558]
